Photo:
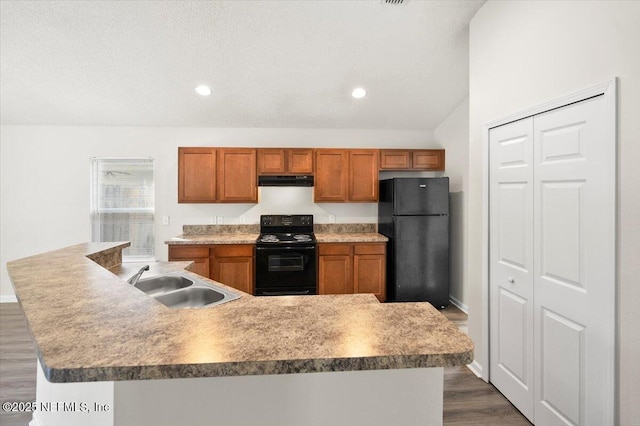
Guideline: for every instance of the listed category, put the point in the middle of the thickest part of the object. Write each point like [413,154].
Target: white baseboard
[476,369]
[8,299]
[458,304]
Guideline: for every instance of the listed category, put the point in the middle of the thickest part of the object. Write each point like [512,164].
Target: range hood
[298,180]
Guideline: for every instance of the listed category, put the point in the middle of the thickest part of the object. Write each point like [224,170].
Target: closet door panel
[574,264]
[511,262]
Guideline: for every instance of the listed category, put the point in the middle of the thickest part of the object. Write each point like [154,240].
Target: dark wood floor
[467,399]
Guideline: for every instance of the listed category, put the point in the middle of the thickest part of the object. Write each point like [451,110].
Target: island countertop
[91,325]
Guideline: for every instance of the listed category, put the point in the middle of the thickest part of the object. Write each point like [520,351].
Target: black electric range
[286,256]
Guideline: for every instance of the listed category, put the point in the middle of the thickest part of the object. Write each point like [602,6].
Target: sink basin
[180,290]
[163,284]
[193,297]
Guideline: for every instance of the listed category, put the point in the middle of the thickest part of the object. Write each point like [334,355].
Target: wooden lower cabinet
[348,268]
[199,255]
[369,270]
[233,265]
[230,264]
[334,269]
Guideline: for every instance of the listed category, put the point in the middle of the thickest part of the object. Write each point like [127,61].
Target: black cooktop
[286,229]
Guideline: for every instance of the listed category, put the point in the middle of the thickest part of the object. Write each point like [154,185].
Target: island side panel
[72,404]
[358,398]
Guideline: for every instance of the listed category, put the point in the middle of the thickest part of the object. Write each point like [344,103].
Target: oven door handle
[286,248]
[285,293]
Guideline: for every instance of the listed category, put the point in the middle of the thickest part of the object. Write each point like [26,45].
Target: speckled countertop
[248,234]
[239,238]
[351,237]
[91,325]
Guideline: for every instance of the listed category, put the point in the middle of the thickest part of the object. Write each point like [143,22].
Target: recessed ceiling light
[203,90]
[358,93]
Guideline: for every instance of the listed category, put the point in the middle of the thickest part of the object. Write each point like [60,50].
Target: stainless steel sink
[193,297]
[179,290]
[163,284]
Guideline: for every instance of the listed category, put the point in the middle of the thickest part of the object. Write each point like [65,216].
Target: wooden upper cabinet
[196,175]
[346,175]
[411,159]
[236,175]
[363,175]
[395,160]
[430,159]
[300,161]
[332,175]
[271,161]
[280,161]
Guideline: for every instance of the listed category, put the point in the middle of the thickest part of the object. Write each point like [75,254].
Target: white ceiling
[270,63]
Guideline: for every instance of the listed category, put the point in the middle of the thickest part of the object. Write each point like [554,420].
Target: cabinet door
[300,161]
[335,275]
[363,175]
[395,159]
[196,175]
[369,270]
[237,178]
[198,254]
[430,159]
[271,161]
[331,176]
[232,265]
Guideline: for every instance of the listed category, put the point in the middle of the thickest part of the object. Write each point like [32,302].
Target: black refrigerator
[414,214]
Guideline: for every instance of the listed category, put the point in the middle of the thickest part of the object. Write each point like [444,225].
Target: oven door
[285,270]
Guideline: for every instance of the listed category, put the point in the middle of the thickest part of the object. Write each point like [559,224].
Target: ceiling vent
[394,2]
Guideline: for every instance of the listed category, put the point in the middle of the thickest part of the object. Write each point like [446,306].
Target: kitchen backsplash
[220,229]
[320,228]
[343,228]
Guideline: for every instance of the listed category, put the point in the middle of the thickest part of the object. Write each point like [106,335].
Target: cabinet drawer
[334,249]
[375,248]
[232,250]
[188,252]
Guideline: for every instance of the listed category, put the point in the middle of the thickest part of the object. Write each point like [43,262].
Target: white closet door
[511,262]
[574,279]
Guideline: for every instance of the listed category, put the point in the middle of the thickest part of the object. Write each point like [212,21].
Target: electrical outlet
[332,218]
[165,220]
[242,220]
[212,220]
[220,220]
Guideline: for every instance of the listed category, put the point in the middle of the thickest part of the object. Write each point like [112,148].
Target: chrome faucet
[134,279]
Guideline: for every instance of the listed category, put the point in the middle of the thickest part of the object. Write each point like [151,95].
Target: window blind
[123,205]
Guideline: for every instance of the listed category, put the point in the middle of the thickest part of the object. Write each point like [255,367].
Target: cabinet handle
[511,280]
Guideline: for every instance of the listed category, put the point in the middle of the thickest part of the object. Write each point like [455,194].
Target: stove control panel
[286,220]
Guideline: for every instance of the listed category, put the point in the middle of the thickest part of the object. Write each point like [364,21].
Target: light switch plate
[220,220]
[165,220]
[332,218]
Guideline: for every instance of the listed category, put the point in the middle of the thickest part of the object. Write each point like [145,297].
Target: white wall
[523,54]
[44,180]
[453,135]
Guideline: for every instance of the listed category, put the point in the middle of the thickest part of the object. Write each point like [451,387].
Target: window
[122,204]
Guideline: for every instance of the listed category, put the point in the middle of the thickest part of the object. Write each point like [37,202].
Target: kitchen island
[116,356]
